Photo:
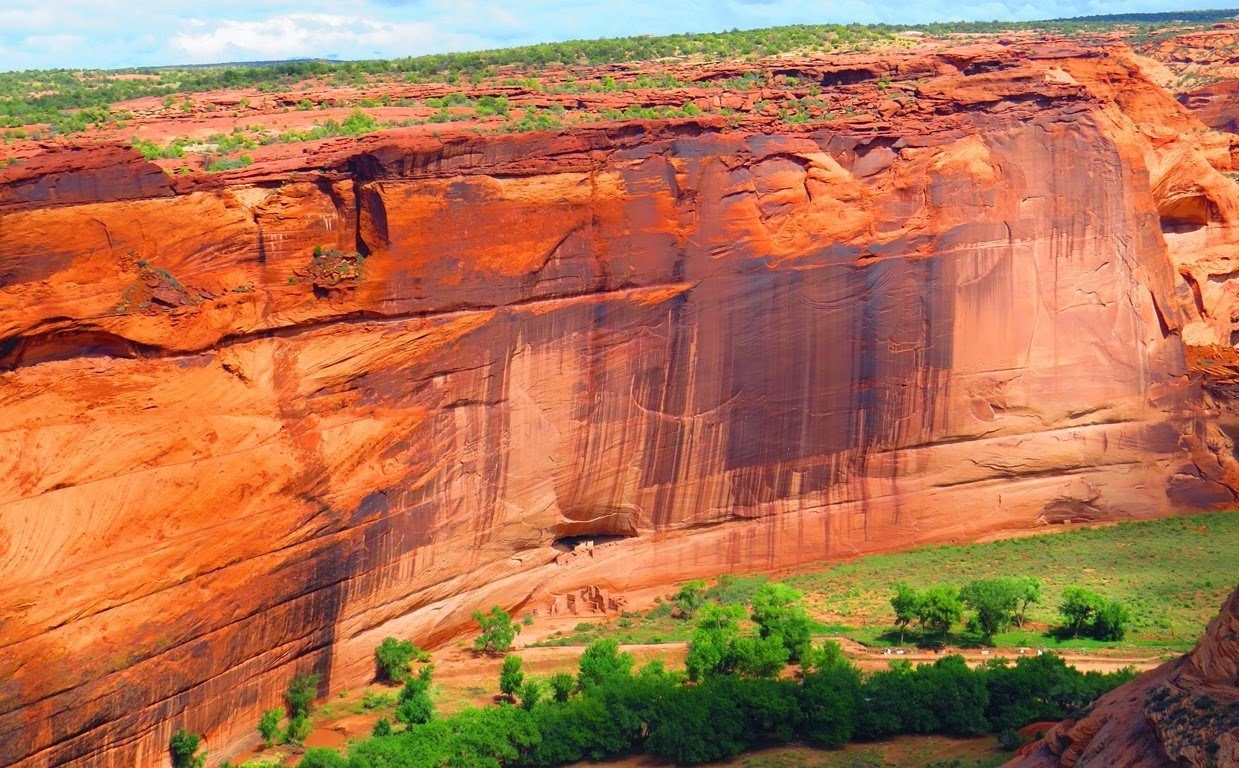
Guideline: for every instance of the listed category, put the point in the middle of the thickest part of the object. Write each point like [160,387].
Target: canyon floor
[464,677]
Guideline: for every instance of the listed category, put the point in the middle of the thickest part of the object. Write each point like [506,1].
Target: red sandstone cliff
[1185,713]
[226,460]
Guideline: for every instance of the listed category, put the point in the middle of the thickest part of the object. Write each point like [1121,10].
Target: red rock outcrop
[1216,104]
[253,422]
[1195,55]
[1184,713]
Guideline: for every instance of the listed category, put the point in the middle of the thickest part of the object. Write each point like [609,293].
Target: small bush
[298,729]
[735,590]
[269,725]
[320,757]
[230,164]
[392,658]
[561,684]
[377,699]
[689,598]
[511,678]
[301,693]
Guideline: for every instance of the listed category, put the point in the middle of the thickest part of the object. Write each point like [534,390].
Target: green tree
[601,662]
[301,693]
[1079,607]
[321,757]
[486,738]
[511,677]
[392,658]
[994,603]
[779,613]
[907,606]
[709,650]
[825,656]
[940,607]
[298,729]
[1029,593]
[955,694]
[829,698]
[757,656]
[696,726]
[269,725]
[561,684]
[530,693]
[1111,621]
[498,630]
[184,748]
[690,598]
[414,705]
[1041,688]
[382,727]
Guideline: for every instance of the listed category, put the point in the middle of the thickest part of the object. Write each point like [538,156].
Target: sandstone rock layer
[227,459]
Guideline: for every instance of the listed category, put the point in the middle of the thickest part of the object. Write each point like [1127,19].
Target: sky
[127,33]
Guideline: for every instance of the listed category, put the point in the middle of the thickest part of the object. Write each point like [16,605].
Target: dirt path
[870,659]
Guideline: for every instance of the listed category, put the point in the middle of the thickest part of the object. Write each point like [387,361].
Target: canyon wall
[227,459]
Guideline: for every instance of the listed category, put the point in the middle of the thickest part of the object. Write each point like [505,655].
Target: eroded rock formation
[1184,713]
[252,423]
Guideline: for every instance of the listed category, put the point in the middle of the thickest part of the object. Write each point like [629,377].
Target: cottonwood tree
[511,677]
[392,657]
[184,748]
[709,648]
[530,693]
[601,662]
[498,630]
[302,690]
[779,613]
[561,684]
[690,598]
[1079,607]
[1029,591]
[939,608]
[414,705]
[1111,621]
[994,603]
[269,725]
[907,606]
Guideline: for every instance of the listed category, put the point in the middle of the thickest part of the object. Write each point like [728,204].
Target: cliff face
[1184,713]
[226,459]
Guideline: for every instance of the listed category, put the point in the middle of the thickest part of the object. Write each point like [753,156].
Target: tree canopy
[498,630]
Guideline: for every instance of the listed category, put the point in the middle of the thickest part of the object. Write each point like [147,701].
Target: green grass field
[1173,574]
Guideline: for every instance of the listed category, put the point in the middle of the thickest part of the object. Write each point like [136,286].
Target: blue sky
[121,33]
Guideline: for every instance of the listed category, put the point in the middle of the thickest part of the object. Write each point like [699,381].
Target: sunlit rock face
[226,459]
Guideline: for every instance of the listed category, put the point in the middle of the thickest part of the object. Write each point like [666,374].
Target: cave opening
[588,541]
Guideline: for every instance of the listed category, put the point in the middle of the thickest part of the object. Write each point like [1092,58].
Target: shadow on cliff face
[583,525]
[68,345]
[589,541]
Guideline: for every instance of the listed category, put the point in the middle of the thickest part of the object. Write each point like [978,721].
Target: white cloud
[296,35]
[54,43]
